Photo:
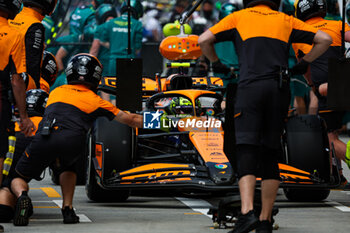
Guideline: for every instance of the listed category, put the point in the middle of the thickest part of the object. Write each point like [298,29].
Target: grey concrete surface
[169,215]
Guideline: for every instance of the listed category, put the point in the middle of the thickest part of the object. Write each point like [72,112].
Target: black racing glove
[300,68]
[218,67]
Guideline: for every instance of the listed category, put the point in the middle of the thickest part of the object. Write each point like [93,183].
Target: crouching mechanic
[35,105]
[262,37]
[62,134]
[36,102]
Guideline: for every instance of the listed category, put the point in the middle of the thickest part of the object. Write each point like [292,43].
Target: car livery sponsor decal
[221,166]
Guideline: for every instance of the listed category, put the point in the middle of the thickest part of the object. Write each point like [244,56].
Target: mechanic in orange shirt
[313,13]
[12,68]
[35,102]
[28,23]
[262,37]
[62,134]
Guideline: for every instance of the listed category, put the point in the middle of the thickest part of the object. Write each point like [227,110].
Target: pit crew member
[313,13]
[261,35]
[28,23]
[12,68]
[62,134]
[35,101]
[115,36]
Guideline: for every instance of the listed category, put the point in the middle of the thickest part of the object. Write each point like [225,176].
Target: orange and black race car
[186,151]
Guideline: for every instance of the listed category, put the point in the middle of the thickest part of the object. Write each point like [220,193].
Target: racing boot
[22,210]
[69,216]
[246,223]
[264,227]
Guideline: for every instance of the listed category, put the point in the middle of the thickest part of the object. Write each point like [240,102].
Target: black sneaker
[1,228]
[69,216]
[246,223]
[264,227]
[22,209]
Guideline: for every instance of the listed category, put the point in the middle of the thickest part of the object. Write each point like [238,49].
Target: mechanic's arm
[19,92]
[131,119]
[34,46]
[206,42]
[60,55]
[95,47]
[322,41]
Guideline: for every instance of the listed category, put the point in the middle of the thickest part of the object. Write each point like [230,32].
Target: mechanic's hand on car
[219,67]
[300,68]
[27,126]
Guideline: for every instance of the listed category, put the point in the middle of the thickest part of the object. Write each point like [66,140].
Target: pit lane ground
[162,214]
[145,213]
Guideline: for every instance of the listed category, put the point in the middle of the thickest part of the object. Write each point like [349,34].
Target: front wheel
[93,190]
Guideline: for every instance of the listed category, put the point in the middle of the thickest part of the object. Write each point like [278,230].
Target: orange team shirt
[12,55]
[76,107]
[28,23]
[319,67]
[262,38]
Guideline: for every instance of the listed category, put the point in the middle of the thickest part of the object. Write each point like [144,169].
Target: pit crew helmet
[49,68]
[85,69]
[48,6]
[36,100]
[11,7]
[136,8]
[274,4]
[100,2]
[103,12]
[307,9]
[227,9]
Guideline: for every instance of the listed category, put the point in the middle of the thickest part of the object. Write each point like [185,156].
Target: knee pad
[269,164]
[6,213]
[247,160]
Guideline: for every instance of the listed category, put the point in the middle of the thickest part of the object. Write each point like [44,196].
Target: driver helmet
[182,105]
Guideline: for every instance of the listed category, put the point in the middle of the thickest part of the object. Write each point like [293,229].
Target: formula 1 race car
[176,155]
[184,149]
[186,152]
